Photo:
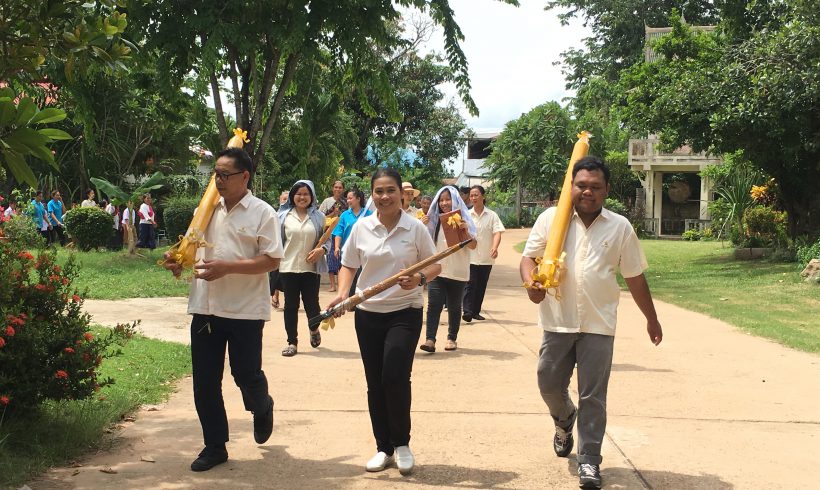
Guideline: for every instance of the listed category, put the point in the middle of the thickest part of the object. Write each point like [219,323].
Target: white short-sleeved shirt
[147,214]
[589,291]
[382,254]
[487,224]
[248,230]
[301,235]
[455,266]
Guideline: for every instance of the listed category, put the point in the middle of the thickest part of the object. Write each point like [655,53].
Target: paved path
[710,408]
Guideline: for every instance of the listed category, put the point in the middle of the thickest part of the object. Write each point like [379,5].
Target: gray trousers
[558,355]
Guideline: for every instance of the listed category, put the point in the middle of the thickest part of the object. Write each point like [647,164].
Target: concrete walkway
[710,408]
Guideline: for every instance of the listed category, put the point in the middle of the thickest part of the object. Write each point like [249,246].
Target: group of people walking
[230,297]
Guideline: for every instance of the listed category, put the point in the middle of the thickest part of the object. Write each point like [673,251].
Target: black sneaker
[478,317]
[589,475]
[563,441]
[467,318]
[263,424]
[210,457]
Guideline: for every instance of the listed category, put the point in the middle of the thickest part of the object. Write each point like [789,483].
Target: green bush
[692,235]
[89,227]
[46,348]
[807,252]
[178,212]
[766,224]
[615,206]
[22,230]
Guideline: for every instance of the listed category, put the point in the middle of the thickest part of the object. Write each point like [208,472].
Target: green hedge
[178,212]
[89,227]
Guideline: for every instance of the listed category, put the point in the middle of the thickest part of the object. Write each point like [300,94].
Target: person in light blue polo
[355,210]
[55,216]
[40,217]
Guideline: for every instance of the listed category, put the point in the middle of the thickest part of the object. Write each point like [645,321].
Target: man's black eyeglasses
[224,177]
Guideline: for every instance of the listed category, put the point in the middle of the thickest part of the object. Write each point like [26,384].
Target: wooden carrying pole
[391,281]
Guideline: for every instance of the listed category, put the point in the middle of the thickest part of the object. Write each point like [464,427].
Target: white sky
[510,51]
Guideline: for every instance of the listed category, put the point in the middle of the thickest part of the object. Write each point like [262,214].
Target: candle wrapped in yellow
[548,273]
[184,251]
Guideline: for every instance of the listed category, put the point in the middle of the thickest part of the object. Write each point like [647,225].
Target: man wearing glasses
[230,303]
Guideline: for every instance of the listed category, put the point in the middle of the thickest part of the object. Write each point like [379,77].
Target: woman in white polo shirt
[304,260]
[388,325]
[448,287]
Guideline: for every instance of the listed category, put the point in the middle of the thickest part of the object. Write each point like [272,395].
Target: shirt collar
[405,221]
[605,214]
[244,202]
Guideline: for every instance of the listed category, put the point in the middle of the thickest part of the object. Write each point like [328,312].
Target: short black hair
[38,193]
[386,172]
[480,189]
[88,191]
[241,160]
[464,190]
[591,163]
[357,193]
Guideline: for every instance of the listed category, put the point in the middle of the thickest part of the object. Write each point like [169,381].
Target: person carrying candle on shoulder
[579,320]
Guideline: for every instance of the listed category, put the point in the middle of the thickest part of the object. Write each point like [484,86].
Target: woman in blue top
[355,210]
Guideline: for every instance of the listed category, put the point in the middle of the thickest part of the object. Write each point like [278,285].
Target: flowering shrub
[46,348]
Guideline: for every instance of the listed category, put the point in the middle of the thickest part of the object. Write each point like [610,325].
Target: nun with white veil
[448,287]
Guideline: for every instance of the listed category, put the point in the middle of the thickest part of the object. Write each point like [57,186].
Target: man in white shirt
[230,303]
[579,321]
[488,238]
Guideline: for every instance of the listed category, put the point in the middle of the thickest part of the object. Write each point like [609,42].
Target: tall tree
[759,96]
[259,46]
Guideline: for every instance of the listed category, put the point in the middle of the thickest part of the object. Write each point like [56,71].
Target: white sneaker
[379,462]
[405,460]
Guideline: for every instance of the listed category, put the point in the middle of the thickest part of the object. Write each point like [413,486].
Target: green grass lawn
[116,275]
[57,433]
[762,297]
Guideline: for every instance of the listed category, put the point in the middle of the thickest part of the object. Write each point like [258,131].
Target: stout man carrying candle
[579,320]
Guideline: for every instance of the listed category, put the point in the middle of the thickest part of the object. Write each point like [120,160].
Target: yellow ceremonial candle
[560,224]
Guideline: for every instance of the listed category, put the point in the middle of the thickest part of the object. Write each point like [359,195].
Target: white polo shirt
[455,266]
[248,230]
[382,254]
[589,292]
[301,235]
[487,224]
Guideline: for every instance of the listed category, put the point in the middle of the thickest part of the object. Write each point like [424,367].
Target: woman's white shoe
[379,462]
[405,460]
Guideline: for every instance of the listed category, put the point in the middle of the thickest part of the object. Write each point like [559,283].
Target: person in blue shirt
[55,216]
[40,217]
[355,210]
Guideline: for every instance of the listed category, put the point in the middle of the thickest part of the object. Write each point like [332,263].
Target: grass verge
[59,432]
[117,275]
[762,297]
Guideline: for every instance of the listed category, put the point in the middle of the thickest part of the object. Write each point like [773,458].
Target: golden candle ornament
[183,252]
[550,268]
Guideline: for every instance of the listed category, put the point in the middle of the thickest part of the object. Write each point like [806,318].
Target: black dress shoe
[478,317]
[263,424]
[467,318]
[210,457]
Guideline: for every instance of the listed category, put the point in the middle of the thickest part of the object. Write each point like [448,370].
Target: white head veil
[458,204]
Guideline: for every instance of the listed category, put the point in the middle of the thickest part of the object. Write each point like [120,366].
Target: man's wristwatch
[422,279]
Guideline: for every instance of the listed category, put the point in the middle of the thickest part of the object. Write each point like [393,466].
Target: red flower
[25,255]
[19,321]
[23,316]
[89,336]
[40,287]
[54,278]
[68,350]
[4,400]
[2,342]
[57,269]
[86,357]
[60,374]
[76,298]
[10,331]
[65,281]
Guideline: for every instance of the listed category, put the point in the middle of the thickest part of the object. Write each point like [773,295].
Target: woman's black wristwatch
[422,279]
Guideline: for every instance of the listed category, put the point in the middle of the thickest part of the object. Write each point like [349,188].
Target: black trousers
[209,336]
[475,288]
[387,342]
[441,291]
[57,234]
[148,237]
[294,285]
